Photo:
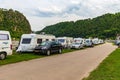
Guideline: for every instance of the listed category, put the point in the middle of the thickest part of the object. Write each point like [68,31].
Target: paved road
[72,66]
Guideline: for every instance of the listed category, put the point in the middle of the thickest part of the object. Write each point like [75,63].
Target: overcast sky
[41,13]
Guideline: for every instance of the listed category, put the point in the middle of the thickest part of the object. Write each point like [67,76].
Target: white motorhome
[95,41]
[30,41]
[89,43]
[117,41]
[79,40]
[65,41]
[5,44]
[101,41]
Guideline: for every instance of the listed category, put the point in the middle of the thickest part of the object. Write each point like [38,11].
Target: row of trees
[105,26]
[15,22]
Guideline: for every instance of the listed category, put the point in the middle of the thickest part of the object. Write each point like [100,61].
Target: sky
[41,13]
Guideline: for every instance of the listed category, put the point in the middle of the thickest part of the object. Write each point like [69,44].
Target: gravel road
[71,66]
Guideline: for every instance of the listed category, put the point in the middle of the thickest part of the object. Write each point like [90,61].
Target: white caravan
[79,40]
[5,44]
[88,43]
[30,41]
[65,41]
[117,41]
[95,41]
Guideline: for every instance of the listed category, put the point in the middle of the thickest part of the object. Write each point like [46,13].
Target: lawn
[16,57]
[109,69]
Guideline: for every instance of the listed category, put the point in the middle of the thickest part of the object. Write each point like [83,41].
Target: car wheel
[48,53]
[2,56]
[79,47]
[118,45]
[60,51]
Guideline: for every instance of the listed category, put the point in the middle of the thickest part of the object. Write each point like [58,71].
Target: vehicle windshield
[44,43]
[88,41]
[4,37]
[26,40]
[61,40]
[76,43]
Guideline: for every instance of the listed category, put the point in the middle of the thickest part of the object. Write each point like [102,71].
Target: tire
[60,51]
[118,45]
[2,56]
[48,53]
[79,47]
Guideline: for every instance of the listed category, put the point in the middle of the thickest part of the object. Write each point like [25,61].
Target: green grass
[68,50]
[109,69]
[16,57]
[19,57]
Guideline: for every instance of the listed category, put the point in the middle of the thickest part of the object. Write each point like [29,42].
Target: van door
[54,47]
[5,43]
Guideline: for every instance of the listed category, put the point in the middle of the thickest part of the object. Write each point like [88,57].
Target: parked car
[76,46]
[48,47]
[5,44]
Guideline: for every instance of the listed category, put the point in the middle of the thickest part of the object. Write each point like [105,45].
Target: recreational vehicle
[95,41]
[5,44]
[117,41]
[80,40]
[78,43]
[30,41]
[88,43]
[65,41]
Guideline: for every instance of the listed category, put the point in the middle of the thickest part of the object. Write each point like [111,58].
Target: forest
[106,26]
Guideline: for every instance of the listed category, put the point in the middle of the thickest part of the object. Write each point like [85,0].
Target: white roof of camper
[38,35]
[64,37]
[4,32]
[77,38]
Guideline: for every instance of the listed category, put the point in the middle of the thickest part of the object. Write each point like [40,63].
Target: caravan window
[26,40]
[47,39]
[53,39]
[61,40]
[4,37]
[39,41]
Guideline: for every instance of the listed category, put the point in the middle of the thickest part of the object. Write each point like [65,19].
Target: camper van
[29,41]
[80,40]
[65,41]
[95,41]
[5,44]
[89,43]
[78,43]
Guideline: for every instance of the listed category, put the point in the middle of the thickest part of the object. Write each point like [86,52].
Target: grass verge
[16,57]
[109,69]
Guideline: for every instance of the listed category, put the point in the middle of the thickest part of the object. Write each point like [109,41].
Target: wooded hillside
[15,22]
[105,26]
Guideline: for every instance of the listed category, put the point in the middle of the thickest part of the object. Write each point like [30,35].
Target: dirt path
[71,66]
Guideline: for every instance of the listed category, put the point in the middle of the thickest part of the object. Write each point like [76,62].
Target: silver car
[76,46]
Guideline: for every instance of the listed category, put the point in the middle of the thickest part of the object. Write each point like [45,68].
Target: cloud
[41,13]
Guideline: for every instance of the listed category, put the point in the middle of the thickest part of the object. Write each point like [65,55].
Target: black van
[48,47]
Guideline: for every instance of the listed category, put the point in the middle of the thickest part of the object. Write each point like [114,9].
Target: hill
[105,26]
[15,22]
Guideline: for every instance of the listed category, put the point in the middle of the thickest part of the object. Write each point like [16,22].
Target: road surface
[71,66]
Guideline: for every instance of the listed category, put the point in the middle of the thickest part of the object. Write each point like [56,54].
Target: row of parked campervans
[42,43]
[77,43]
